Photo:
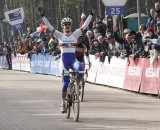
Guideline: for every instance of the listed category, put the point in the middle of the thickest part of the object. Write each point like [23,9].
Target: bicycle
[72,98]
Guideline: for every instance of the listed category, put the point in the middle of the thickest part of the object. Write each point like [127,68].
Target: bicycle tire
[68,101]
[81,96]
[68,106]
[76,103]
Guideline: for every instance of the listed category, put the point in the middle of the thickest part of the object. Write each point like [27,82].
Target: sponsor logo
[134,71]
[152,72]
[15,16]
[68,41]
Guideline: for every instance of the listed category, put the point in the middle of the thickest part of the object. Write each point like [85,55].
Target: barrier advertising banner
[3,62]
[45,64]
[93,70]
[150,78]
[117,72]
[54,70]
[16,62]
[133,74]
[33,63]
[20,62]
[103,73]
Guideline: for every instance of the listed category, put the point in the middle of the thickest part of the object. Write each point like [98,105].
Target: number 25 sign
[115,10]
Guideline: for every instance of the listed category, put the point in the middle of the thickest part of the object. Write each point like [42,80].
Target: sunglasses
[65,24]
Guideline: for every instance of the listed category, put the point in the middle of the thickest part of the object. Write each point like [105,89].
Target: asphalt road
[32,102]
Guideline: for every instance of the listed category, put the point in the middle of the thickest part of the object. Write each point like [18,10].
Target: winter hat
[150,29]
[83,16]
[126,31]
[132,32]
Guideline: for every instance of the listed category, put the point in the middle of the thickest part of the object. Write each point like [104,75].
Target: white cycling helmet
[66,20]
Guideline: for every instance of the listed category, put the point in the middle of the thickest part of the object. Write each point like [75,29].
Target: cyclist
[67,42]
[82,49]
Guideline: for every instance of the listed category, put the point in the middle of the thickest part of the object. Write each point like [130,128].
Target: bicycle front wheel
[68,106]
[81,94]
[76,103]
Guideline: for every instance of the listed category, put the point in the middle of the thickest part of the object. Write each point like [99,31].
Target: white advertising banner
[25,62]
[15,62]
[20,62]
[103,73]
[93,70]
[15,16]
[117,72]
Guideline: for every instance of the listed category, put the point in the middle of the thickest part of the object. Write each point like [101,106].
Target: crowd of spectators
[145,43]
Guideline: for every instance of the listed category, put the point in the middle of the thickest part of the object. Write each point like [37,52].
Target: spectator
[95,31]
[137,45]
[158,29]
[157,19]
[22,47]
[95,22]
[29,31]
[155,51]
[51,47]
[157,10]
[147,39]
[117,37]
[7,52]
[100,26]
[125,32]
[96,49]
[90,37]
[29,48]
[44,48]
[104,50]
[125,42]
[114,48]
[153,45]
[151,19]
[142,29]
[53,38]
[151,32]
[126,47]
[46,38]
[1,50]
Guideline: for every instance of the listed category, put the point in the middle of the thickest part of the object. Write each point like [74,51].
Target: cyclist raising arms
[67,42]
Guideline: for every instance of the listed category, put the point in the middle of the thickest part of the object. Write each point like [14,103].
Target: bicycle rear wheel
[76,103]
[81,95]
